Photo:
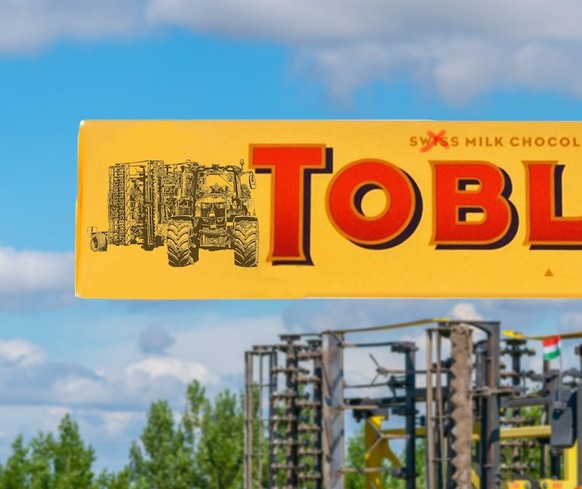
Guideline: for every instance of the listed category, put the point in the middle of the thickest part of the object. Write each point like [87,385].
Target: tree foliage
[221,448]
[72,460]
[200,448]
[46,462]
[14,473]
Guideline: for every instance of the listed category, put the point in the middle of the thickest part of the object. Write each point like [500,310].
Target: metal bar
[491,479]
[516,353]
[410,364]
[545,419]
[383,402]
[360,407]
[273,362]
[440,445]
[248,425]
[525,432]
[528,401]
[532,432]
[370,345]
[261,426]
[480,383]
[365,386]
[373,452]
[385,327]
[579,429]
[358,470]
[430,473]
[318,416]
[292,432]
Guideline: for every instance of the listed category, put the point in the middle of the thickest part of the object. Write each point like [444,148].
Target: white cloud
[28,376]
[34,271]
[571,321]
[20,353]
[35,277]
[110,403]
[465,311]
[319,315]
[220,343]
[26,25]
[116,422]
[159,367]
[458,49]
[77,390]
[217,340]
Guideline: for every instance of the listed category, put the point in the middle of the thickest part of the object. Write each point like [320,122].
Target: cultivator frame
[296,399]
[187,206]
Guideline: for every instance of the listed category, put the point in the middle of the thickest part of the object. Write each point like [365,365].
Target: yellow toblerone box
[290,209]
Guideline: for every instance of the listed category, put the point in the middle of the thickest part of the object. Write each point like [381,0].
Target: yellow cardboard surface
[335,265]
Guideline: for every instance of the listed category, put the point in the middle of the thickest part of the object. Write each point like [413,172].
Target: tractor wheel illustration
[178,243]
[98,242]
[246,243]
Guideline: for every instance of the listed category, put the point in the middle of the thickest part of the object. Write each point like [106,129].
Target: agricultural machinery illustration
[186,206]
[473,415]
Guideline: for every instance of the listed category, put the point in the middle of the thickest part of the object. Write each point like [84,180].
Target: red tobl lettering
[291,167]
[394,224]
[472,209]
[547,226]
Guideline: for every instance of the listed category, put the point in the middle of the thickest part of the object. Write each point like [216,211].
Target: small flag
[552,347]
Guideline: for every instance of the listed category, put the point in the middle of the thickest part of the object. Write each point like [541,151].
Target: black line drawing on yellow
[186,206]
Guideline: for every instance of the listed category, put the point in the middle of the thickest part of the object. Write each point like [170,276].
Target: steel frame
[297,416]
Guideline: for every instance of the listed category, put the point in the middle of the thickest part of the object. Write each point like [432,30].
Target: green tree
[192,426]
[112,480]
[15,474]
[221,446]
[73,460]
[163,459]
[41,461]
[194,413]
[46,463]
[355,459]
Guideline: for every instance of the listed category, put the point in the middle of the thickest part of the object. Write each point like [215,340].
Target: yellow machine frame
[377,449]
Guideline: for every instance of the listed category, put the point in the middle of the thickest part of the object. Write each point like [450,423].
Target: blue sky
[65,61]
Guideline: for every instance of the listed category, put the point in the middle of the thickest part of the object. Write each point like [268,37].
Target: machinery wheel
[246,243]
[98,242]
[178,243]
[462,406]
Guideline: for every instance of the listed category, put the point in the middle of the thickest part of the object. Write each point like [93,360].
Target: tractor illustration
[187,206]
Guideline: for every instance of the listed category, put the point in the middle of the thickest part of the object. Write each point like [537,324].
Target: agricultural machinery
[472,416]
[187,206]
